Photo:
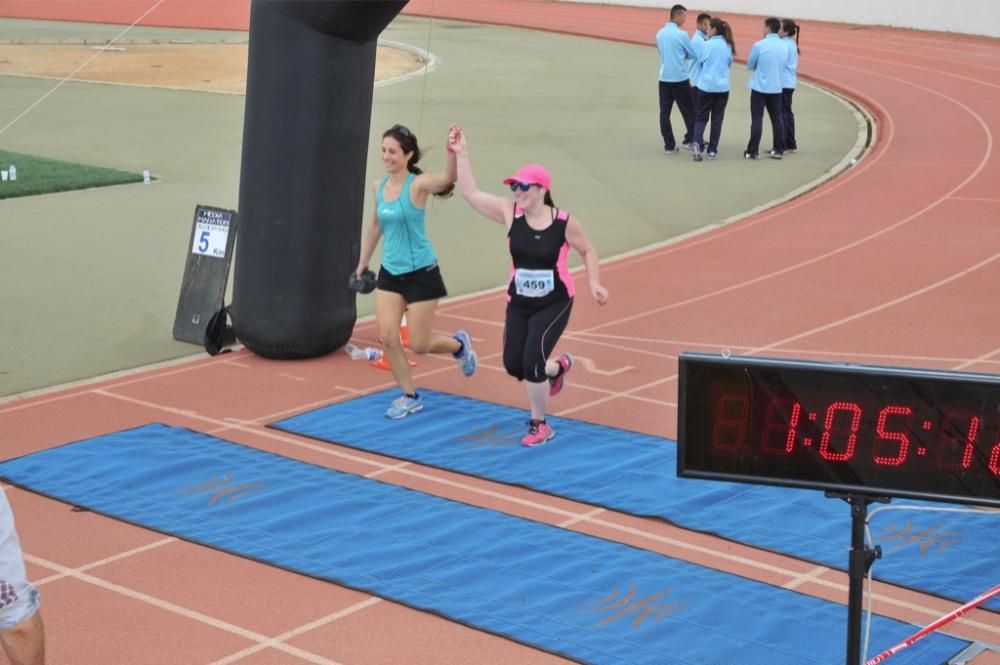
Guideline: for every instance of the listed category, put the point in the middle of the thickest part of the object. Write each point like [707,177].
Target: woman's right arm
[497,208]
[371,239]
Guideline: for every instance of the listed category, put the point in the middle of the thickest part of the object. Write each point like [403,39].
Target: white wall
[975,17]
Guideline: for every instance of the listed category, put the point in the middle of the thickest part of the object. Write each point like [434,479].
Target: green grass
[36,175]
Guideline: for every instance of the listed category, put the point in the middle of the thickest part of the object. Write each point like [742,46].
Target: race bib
[534,283]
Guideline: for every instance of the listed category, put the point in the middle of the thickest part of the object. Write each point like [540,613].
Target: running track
[894,262]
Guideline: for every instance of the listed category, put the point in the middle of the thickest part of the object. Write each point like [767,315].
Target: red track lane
[211,14]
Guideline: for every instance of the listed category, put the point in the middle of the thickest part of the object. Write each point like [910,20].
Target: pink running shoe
[538,433]
[556,383]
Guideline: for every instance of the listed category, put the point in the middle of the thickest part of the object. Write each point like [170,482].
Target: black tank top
[539,274]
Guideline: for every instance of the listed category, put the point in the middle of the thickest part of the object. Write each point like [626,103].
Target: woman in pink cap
[541,289]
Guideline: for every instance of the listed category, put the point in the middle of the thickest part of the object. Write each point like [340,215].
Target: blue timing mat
[582,597]
[953,555]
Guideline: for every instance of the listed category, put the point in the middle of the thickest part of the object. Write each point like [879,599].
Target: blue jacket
[767,58]
[789,75]
[675,50]
[716,59]
[698,41]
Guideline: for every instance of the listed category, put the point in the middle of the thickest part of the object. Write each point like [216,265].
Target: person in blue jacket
[676,54]
[767,59]
[409,280]
[713,85]
[789,78]
[698,40]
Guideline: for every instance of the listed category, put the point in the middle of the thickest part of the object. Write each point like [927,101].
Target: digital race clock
[879,431]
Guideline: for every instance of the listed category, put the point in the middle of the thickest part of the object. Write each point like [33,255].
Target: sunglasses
[523,186]
[405,131]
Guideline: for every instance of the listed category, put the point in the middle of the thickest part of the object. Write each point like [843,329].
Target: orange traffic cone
[404,338]
[404,332]
[383,363]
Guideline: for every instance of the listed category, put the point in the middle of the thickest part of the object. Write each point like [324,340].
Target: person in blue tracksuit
[713,85]
[767,59]
[698,40]
[676,54]
[789,78]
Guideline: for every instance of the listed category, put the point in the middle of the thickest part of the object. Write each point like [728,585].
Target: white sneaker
[404,406]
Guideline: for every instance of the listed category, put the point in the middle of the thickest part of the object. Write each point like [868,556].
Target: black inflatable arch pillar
[310,79]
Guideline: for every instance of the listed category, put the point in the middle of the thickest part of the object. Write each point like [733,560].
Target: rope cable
[427,64]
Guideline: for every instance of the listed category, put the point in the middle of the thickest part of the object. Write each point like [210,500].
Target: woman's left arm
[433,183]
[577,239]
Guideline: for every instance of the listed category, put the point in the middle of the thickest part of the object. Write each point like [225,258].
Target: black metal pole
[859,561]
[857,567]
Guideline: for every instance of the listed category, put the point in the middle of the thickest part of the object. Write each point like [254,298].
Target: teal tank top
[405,246]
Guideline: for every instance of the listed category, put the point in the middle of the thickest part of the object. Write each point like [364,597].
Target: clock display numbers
[850,428]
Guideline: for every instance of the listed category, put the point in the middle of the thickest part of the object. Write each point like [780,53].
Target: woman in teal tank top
[409,280]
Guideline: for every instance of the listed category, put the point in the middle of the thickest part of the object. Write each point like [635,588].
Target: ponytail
[792,28]
[723,28]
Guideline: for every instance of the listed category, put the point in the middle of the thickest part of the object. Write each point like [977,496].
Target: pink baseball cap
[532,174]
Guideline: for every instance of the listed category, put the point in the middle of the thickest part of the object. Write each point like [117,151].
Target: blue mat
[953,555]
[582,597]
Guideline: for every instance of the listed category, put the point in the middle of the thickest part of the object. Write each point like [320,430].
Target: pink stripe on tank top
[562,266]
[510,280]
[562,263]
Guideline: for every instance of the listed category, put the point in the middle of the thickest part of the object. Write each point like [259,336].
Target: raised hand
[456,140]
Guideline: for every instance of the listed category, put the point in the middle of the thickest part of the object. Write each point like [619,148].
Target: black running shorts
[417,286]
